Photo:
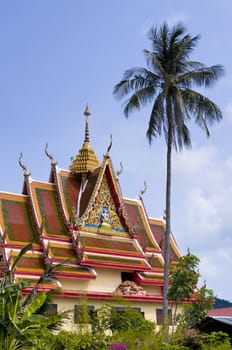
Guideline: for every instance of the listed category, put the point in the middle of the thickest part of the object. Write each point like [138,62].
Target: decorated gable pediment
[106,213]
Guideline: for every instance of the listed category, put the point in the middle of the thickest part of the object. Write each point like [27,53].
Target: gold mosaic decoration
[104,213]
[85,161]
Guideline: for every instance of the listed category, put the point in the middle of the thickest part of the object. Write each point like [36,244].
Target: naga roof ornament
[109,147]
[143,191]
[49,155]
[119,172]
[86,160]
[25,172]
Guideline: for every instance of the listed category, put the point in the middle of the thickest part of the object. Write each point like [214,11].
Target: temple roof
[80,219]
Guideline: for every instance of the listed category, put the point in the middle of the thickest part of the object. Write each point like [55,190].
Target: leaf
[22,252]
[35,304]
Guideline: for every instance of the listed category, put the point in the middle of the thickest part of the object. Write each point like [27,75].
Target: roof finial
[109,147]
[23,166]
[87,113]
[119,171]
[143,191]
[48,154]
[164,215]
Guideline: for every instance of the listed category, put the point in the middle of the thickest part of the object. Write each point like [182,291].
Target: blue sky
[57,56]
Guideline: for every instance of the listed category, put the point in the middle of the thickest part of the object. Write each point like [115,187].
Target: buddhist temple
[105,245]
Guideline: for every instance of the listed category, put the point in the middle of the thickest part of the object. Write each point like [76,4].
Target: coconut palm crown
[167,83]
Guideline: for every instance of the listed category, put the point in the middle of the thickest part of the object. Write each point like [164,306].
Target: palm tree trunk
[168,222]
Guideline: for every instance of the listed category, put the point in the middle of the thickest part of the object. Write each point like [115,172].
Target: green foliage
[108,318]
[101,321]
[184,338]
[82,341]
[135,340]
[215,341]
[195,312]
[181,339]
[129,318]
[82,316]
[25,325]
[183,278]
[127,327]
[22,324]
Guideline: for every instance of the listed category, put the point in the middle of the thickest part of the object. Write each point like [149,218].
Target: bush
[215,341]
[82,341]
[108,318]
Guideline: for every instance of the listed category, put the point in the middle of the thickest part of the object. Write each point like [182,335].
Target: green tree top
[183,278]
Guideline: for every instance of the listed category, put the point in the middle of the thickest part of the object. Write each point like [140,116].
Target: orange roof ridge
[13,194]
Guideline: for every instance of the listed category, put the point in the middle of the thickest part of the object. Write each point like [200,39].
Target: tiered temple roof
[79,219]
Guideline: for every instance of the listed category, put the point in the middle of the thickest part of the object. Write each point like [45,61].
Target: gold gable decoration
[104,213]
[86,160]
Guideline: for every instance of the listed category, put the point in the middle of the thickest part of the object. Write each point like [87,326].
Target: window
[126,276]
[159,317]
[83,314]
[52,310]
[120,309]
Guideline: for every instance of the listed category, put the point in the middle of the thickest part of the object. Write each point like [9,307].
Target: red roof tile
[223,312]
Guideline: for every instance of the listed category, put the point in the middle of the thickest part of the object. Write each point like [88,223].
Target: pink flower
[118,346]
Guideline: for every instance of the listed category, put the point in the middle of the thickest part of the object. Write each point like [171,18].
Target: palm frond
[186,136]
[156,118]
[138,99]
[133,80]
[158,38]
[185,46]
[203,109]
[192,65]
[204,76]
[181,135]
[174,34]
[153,62]
[131,104]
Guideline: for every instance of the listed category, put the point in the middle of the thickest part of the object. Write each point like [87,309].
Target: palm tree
[167,83]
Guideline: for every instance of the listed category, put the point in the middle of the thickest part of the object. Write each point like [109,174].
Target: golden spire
[87,113]
[86,160]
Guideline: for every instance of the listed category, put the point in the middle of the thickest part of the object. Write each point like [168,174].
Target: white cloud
[215,269]
[198,167]
[202,212]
